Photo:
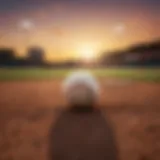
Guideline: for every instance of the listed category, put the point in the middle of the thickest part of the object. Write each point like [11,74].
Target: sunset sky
[77,28]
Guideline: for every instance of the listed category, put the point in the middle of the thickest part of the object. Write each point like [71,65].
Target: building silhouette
[147,54]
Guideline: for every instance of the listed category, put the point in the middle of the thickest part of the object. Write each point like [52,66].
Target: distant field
[10,74]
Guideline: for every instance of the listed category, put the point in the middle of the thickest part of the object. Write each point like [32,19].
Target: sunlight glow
[87,53]
[120,29]
[26,24]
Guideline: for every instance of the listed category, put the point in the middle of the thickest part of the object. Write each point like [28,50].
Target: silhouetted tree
[36,56]
[7,57]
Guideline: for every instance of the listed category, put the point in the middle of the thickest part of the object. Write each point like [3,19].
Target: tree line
[147,54]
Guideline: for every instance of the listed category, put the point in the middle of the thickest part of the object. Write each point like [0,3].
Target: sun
[87,53]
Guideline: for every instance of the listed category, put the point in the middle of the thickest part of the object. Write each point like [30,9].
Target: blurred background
[41,41]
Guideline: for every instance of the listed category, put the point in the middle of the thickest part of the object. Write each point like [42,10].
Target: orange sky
[66,31]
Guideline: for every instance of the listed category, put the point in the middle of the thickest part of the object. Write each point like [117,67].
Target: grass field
[10,74]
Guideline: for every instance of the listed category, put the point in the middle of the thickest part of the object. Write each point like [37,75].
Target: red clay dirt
[26,116]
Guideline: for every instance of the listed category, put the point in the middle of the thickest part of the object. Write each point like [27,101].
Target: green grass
[14,74]
[152,75]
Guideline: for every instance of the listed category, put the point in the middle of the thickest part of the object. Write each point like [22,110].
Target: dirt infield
[26,116]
